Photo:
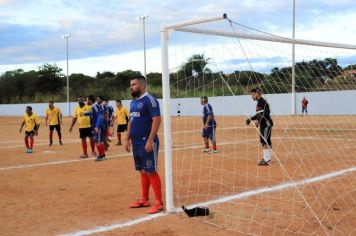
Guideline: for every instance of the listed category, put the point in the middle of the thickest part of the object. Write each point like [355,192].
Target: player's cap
[204,97]
[256,90]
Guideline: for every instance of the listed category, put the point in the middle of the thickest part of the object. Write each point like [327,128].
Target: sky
[106,35]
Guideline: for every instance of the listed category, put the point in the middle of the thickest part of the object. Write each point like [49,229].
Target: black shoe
[100,158]
[263,163]
[60,143]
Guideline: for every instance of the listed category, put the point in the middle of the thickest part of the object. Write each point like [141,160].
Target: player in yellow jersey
[85,129]
[32,125]
[54,116]
[123,116]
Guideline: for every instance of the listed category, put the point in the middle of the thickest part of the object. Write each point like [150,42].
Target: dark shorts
[121,128]
[209,133]
[30,133]
[265,135]
[86,132]
[304,109]
[146,161]
[100,136]
[57,127]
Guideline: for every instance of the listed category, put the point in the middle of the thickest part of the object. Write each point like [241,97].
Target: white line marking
[242,195]
[174,149]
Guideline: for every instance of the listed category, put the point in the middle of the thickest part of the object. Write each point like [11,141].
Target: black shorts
[265,135]
[28,133]
[121,128]
[86,132]
[57,127]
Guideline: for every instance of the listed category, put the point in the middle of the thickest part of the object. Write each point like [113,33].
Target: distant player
[178,110]
[98,114]
[209,125]
[54,115]
[145,119]
[264,121]
[122,115]
[32,125]
[305,103]
[85,129]
[110,117]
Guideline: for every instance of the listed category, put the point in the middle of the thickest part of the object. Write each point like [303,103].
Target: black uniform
[265,121]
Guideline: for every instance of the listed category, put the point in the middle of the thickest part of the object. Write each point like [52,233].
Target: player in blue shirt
[98,115]
[145,119]
[110,110]
[209,125]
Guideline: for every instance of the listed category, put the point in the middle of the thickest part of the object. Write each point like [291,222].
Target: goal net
[309,186]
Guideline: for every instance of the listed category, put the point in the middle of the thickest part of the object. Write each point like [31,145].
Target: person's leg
[59,133]
[51,129]
[26,141]
[266,144]
[32,141]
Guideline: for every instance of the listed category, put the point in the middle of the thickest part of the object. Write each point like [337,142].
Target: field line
[243,195]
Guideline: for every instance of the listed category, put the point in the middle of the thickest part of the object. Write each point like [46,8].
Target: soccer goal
[308,187]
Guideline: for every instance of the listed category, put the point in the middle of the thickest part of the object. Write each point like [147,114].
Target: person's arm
[156,121]
[37,126]
[73,123]
[22,125]
[128,138]
[60,116]
[99,123]
[206,125]
[46,119]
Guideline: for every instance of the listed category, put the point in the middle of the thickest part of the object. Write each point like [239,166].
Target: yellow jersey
[122,115]
[84,121]
[53,115]
[31,122]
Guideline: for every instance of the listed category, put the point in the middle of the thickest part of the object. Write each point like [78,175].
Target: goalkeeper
[263,120]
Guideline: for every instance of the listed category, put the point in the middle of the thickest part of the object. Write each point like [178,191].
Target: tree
[193,70]
[49,79]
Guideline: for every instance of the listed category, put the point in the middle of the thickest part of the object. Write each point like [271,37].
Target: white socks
[267,154]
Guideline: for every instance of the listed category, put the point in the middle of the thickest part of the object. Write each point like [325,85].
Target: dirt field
[53,192]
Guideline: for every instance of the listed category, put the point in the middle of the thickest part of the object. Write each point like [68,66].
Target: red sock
[119,137]
[51,136]
[145,186]
[207,144]
[84,146]
[101,149]
[26,142]
[92,145]
[214,146]
[155,181]
[32,140]
[60,137]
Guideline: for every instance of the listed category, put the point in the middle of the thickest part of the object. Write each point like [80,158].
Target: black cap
[256,90]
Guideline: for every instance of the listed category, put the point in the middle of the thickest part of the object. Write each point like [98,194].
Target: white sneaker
[206,150]
[213,151]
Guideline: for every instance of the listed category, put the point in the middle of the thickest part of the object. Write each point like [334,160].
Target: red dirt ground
[73,194]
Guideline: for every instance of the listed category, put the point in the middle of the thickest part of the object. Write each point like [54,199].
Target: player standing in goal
[54,115]
[32,125]
[145,119]
[264,121]
[209,125]
[305,103]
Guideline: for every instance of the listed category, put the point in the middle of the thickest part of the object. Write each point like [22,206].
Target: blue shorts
[146,161]
[100,136]
[209,133]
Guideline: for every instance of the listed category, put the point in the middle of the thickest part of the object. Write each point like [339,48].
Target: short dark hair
[106,100]
[91,98]
[101,97]
[256,90]
[139,77]
[28,107]
[204,97]
[51,101]
[118,100]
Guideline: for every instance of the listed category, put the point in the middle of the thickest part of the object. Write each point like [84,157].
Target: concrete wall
[320,103]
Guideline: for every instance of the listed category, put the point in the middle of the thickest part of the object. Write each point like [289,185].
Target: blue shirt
[110,110]
[96,110]
[142,110]
[208,111]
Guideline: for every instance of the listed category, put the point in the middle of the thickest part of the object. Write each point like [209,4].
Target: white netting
[310,186]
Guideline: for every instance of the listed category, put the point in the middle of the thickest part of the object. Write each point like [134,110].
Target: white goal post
[192,27]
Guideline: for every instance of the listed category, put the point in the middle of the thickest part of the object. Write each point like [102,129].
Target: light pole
[66,37]
[143,18]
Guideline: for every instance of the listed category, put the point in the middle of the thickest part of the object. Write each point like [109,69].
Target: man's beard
[135,94]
